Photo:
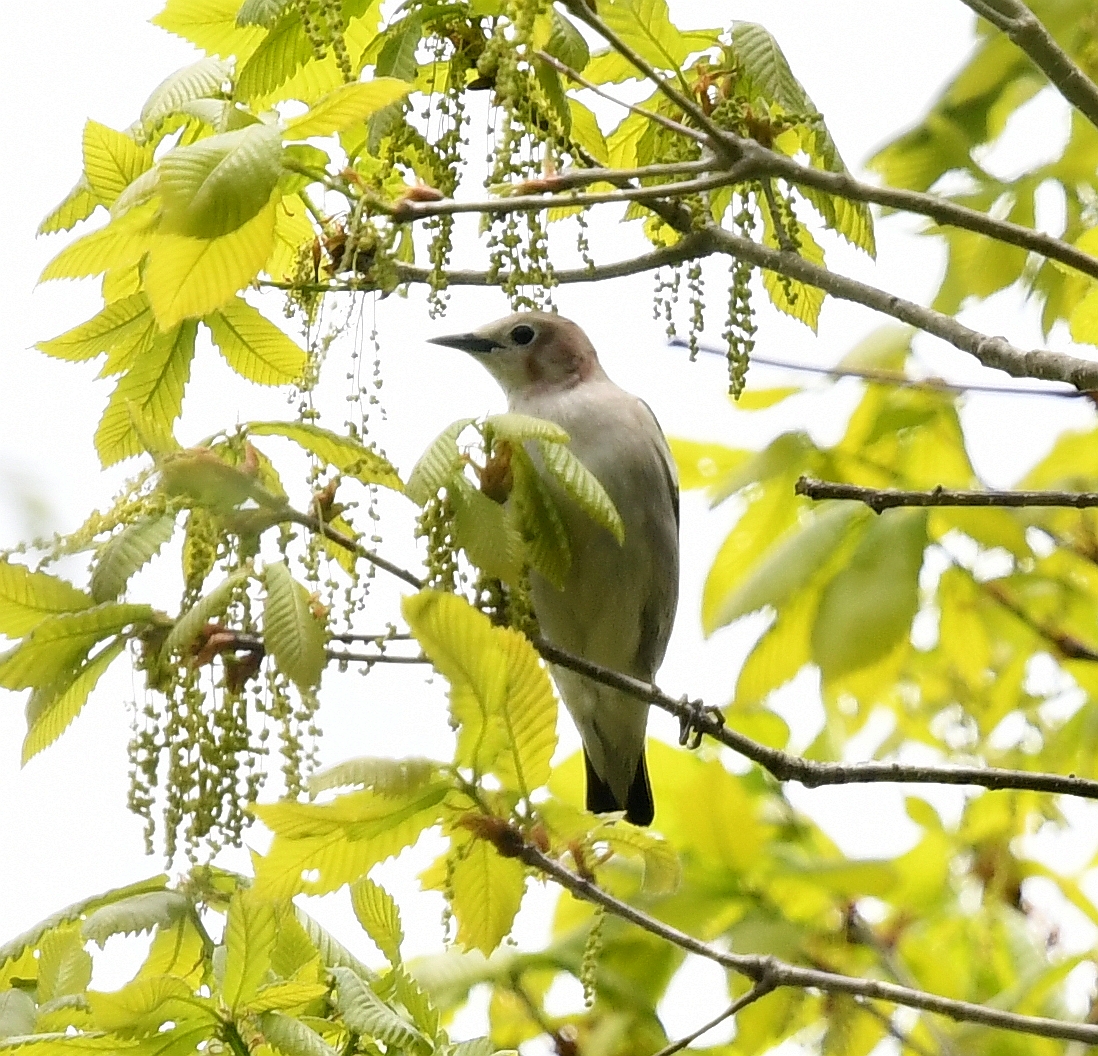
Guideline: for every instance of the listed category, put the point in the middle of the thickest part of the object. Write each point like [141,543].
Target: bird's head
[530,353]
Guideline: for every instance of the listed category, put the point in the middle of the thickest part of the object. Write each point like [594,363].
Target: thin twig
[752,995]
[337,537]
[770,972]
[886,377]
[879,499]
[343,656]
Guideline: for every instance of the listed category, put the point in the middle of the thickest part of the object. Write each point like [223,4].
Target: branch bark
[880,499]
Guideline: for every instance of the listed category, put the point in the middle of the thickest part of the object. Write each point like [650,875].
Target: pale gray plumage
[618,602]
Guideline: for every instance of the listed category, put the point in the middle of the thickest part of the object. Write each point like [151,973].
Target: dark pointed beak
[466,342]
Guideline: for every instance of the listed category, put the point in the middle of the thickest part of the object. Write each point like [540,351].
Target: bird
[617,604]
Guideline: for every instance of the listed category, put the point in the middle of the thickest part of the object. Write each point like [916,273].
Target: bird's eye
[522,335]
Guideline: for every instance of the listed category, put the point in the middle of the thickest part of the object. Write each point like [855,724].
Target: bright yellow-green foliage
[962,635]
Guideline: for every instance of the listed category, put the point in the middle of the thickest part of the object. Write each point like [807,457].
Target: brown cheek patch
[533,368]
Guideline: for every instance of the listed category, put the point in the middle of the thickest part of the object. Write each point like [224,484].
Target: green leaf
[112,160]
[585,132]
[544,534]
[293,635]
[291,1037]
[566,43]
[17,1014]
[486,531]
[249,939]
[126,552]
[347,106]
[788,564]
[186,629]
[437,465]
[77,205]
[210,25]
[64,966]
[378,914]
[254,347]
[583,486]
[340,841]
[797,299]
[662,869]
[50,711]
[136,914]
[702,464]
[518,428]
[215,186]
[121,322]
[869,605]
[387,776]
[123,242]
[189,277]
[350,457]
[201,80]
[142,1007]
[284,49]
[760,399]
[27,598]
[646,26]
[149,398]
[766,66]
[365,1013]
[486,894]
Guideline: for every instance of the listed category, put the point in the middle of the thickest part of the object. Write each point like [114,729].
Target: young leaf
[567,44]
[544,534]
[284,49]
[662,869]
[646,26]
[519,428]
[249,939]
[294,636]
[387,776]
[141,1007]
[253,346]
[291,1037]
[190,623]
[365,1013]
[112,160]
[210,25]
[583,486]
[136,914]
[116,324]
[486,531]
[437,464]
[487,893]
[869,605]
[122,242]
[148,397]
[190,277]
[204,79]
[27,598]
[77,205]
[64,966]
[794,298]
[346,454]
[347,106]
[18,1014]
[261,12]
[51,710]
[126,552]
[378,914]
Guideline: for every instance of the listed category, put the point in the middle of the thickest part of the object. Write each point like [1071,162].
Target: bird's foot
[693,725]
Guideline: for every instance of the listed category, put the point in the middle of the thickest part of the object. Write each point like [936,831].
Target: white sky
[870,67]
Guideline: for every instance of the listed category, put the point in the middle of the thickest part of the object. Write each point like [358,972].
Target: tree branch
[1024,28]
[768,972]
[752,995]
[879,499]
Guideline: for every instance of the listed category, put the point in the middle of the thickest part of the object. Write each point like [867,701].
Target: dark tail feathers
[639,809]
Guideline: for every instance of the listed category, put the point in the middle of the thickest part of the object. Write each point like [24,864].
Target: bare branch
[887,377]
[752,995]
[769,972]
[878,499]
[1024,28]
[375,559]
[346,657]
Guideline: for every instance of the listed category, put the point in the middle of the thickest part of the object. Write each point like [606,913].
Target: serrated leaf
[544,534]
[123,242]
[27,598]
[136,914]
[387,776]
[148,398]
[292,634]
[378,914]
[57,643]
[77,205]
[284,49]
[350,457]
[201,80]
[283,997]
[437,465]
[797,299]
[852,220]
[112,160]
[211,25]
[261,12]
[333,954]
[190,623]
[249,939]
[583,486]
[17,1014]
[662,868]
[143,1006]
[51,710]
[585,132]
[365,1013]
[128,551]
[190,277]
[254,347]
[566,43]
[519,428]
[766,66]
[64,966]
[342,840]
[347,106]
[486,531]
[215,186]
[291,1037]
[118,323]
[869,605]
[487,892]
[647,27]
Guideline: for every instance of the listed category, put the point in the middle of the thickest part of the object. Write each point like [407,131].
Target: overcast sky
[870,66]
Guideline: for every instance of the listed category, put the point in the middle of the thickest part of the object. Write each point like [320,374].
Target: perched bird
[618,601]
